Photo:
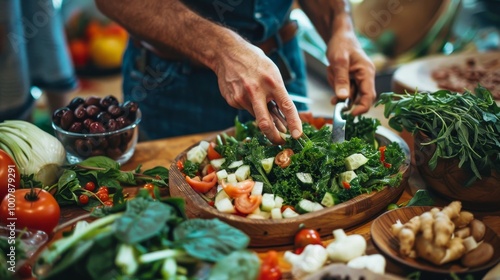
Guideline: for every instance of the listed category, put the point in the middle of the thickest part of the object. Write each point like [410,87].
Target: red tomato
[9,174]
[238,189]
[212,153]
[90,186]
[284,207]
[33,208]
[204,185]
[247,204]
[284,158]
[180,165]
[305,237]
[269,269]
[83,199]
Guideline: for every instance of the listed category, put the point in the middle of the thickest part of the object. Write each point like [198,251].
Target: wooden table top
[162,153]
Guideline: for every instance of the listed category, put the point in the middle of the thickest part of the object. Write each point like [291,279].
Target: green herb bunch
[461,125]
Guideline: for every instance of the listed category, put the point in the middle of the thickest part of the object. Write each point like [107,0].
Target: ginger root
[431,235]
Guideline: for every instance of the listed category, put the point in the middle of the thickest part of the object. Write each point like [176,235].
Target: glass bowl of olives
[97,126]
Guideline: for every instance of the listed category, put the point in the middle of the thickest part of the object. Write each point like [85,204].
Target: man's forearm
[328,15]
[171,25]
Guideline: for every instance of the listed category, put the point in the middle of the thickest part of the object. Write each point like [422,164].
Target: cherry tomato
[103,189]
[103,197]
[90,186]
[238,189]
[212,153]
[150,188]
[247,204]
[83,199]
[33,208]
[269,269]
[180,165]
[108,203]
[9,174]
[305,237]
[203,185]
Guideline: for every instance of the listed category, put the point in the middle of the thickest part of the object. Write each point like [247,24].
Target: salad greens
[317,156]
[145,239]
[466,126]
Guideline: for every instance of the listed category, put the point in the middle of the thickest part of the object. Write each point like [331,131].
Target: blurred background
[393,32]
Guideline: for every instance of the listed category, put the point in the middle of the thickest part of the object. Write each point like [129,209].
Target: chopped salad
[247,175]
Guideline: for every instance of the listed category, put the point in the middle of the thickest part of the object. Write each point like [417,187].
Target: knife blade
[300,99]
[339,123]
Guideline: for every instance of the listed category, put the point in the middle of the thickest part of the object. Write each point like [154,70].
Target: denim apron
[177,98]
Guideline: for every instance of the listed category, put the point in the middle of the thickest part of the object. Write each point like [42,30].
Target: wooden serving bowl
[449,181]
[276,233]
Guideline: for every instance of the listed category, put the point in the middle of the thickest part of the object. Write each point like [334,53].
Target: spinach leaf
[143,219]
[243,265]
[209,240]
[421,198]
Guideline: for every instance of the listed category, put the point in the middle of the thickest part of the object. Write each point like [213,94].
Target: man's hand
[248,80]
[349,63]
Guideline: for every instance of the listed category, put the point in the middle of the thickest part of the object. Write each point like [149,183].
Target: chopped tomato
[269,269]
[284,158]
[346,185]
[208,169]
[212,153]
[238,189]
[247,204]
[382,153]
[180,165]
[202,185]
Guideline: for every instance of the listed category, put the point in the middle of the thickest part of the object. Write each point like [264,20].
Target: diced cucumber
[267,203]
[220,195]
[329,200]
[347,176]
[305,179]
[225,206]
[196,154]
[278,201]
[289,213]
[258,187]
[305,206]
[355,161]
[267,164]
[204,144]
[242,172]
[222,174]
[235,164]
[276,213]
[217,163]
[317,206]
[231,178]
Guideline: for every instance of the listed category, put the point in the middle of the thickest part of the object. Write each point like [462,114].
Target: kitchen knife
[339,123]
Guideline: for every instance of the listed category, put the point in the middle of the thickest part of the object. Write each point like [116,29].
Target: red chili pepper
[382,153]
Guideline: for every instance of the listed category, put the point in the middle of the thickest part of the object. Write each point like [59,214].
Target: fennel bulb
[34,150]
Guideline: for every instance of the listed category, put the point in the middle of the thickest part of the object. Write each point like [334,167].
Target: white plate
[417,75]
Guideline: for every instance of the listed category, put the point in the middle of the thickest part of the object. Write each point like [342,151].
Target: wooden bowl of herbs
[272,231]
[456,142]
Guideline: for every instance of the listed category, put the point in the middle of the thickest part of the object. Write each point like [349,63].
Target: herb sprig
[465,125]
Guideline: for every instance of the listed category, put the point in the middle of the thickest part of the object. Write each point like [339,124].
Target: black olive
[92,100]
[113,153]
[86,123]
[67,119]
[75,102]
[80,112]
[97,127]
[111,125]
[93,111]
[115,110]
[104,117]
[76,127]
[56,116]
[108,101]
[130,109]
[83,147]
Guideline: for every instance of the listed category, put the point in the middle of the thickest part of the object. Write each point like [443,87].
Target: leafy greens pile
[465,125]
[317,156]
[145,239]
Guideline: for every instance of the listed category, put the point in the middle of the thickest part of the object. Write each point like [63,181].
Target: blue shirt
[178,98]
